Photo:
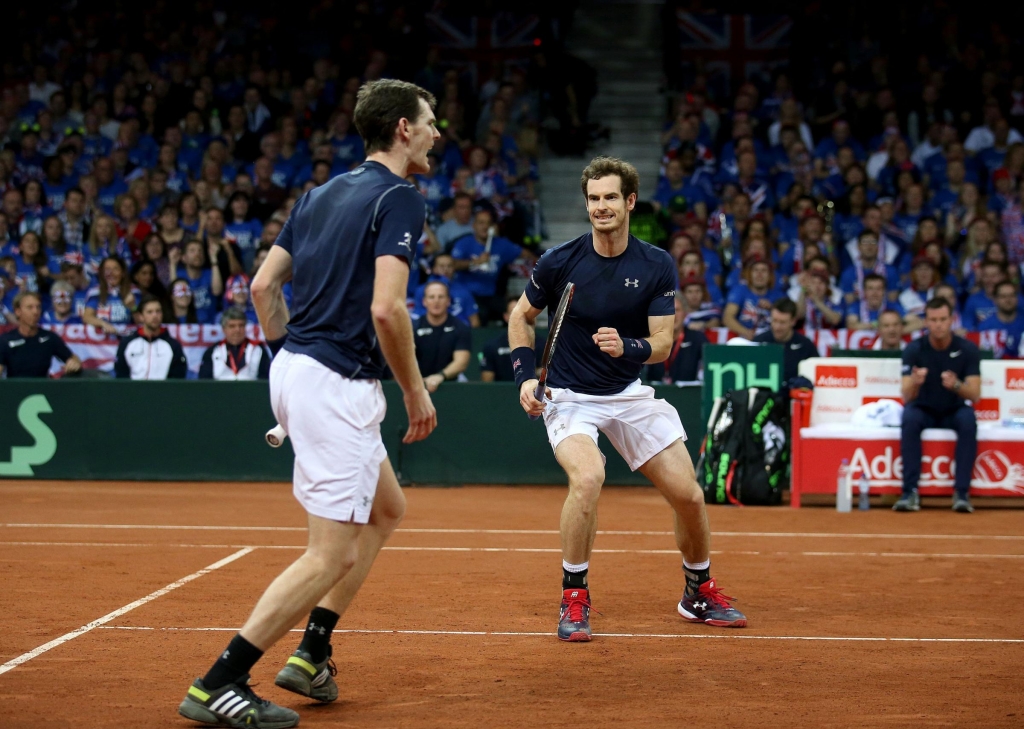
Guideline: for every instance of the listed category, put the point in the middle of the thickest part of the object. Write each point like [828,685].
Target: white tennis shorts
[334,426]
[639,425]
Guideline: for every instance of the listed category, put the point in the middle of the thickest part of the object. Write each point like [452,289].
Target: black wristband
[524,364]
[636,350]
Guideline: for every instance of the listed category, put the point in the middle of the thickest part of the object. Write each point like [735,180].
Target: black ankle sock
[574,579]
[235,662]
[695,578]
[317,639]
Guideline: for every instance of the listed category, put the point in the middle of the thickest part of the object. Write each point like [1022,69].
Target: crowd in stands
[151,156]
[871,189]
[162,169]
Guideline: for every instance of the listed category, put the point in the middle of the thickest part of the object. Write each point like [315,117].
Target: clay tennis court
[862,619]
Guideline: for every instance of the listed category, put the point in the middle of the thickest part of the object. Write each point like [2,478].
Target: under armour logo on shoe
[635,283]
[701,605]
[224,655]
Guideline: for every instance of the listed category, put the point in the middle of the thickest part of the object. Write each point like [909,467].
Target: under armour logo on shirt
[635,283]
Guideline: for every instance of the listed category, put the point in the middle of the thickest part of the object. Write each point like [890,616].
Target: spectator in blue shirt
[434,186]
[692,265]
[460,222]
[111,305]
[748,306]
[62,306]
[204,280]
[828,148]
[463,306]
[1002,196]
[193,143]
[245,229]
[868,261]
[1007,318]
[110,187]
[94,144]
[674,185]
[864,311]
[283,170]
[348,146]
[981,305]
[480,271]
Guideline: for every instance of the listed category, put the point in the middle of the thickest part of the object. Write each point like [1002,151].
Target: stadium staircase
[630,103]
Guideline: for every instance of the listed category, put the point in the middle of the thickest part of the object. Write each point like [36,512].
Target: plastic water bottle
[864,486]
[844,488]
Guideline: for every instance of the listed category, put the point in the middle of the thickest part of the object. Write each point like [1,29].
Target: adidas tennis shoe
[711,606]
[574,617]
[234,705]
[315,680]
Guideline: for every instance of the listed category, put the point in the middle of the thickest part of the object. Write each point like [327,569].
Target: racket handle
[539,394]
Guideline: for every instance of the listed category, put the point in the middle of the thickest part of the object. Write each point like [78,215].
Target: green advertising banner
[738,367]
[214,431]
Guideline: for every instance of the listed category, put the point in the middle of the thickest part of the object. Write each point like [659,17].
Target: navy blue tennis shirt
[335,234]
[618,292]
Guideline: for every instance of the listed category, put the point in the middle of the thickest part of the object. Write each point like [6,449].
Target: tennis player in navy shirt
[620,319]
[347,247]
[941,373]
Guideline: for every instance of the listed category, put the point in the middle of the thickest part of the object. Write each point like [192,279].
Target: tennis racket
[554,327]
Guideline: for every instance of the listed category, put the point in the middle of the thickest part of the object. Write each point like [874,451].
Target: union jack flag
[734,46]
[473,43]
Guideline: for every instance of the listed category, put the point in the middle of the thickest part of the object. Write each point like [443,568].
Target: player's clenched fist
[609,341]
[529,401]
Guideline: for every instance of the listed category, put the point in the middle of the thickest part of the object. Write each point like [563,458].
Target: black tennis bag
[746,456]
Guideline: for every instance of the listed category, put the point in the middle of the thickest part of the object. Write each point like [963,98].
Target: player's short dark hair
[785,305]
[937,302]
[74,191]
[867,233]
[381,104]
[875,277]
[148,299]
[604,166]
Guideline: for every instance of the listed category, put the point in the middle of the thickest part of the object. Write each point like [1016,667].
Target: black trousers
[962,420]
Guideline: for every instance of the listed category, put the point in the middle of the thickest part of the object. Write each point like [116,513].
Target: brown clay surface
[794,572]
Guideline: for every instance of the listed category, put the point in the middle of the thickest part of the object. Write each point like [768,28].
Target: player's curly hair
[381,104]
[603,166]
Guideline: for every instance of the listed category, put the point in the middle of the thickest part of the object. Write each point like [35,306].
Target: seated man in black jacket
[797,346]
[28,352]
[236,358]
[151,353]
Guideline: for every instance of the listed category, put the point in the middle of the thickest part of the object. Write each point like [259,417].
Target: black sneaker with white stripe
[234,705]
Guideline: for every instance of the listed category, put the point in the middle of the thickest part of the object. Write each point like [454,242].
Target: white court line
[99,622]
[785,535]
[700,636]
[546,550]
